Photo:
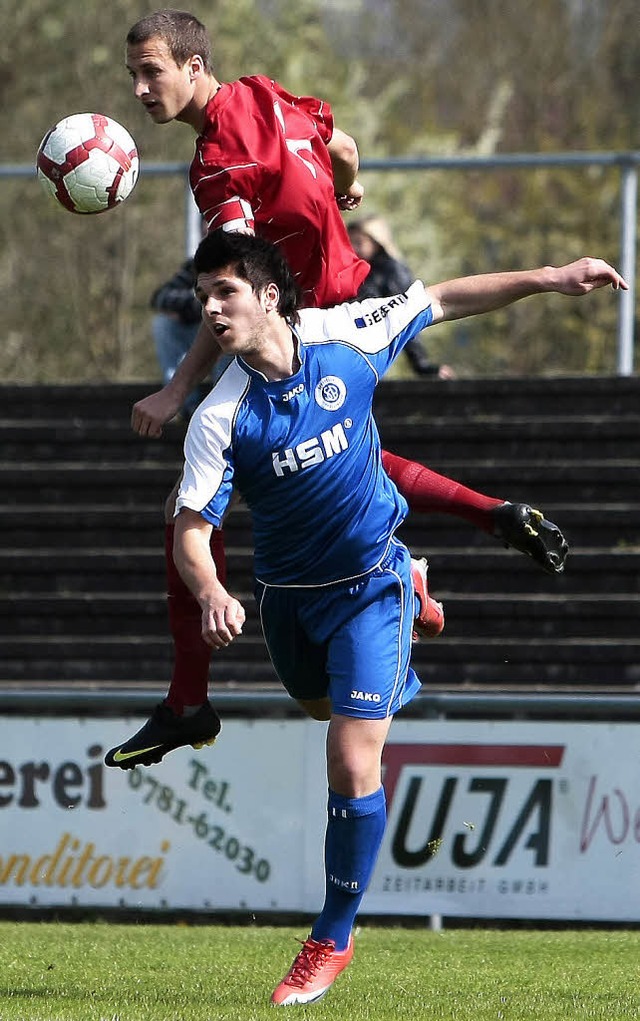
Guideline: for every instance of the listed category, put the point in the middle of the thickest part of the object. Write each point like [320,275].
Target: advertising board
[485,820]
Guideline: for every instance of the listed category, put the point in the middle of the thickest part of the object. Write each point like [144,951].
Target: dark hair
[253,259]
[182,32]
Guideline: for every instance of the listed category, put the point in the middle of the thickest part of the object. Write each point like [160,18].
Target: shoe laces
[309,961]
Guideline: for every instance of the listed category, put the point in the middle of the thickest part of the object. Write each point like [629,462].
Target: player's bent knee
[354,754]
[317,708]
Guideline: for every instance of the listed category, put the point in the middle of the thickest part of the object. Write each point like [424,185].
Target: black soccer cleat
[527,530]
[164,731]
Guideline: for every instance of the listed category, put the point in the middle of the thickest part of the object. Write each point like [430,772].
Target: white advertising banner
[227,827]
[485,820]
[511,820]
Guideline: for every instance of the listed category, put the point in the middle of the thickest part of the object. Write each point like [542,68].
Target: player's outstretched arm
[468,296]
[222,614]
[150,414]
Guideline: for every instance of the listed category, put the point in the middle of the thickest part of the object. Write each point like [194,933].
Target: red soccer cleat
[314,970]
[430,621]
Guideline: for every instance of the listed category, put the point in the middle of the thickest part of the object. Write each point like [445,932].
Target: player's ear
[196,66]
[271,297]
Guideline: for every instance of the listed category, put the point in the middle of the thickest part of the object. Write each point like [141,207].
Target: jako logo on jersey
[310,452]
[330,393]
[381,312]
[365,696]
[290,394]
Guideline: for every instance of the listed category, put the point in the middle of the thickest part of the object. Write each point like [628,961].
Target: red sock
[425,490]
[190,680]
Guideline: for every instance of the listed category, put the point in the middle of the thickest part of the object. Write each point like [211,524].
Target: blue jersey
[304,452]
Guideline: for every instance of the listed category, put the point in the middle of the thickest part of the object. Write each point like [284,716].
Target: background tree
[429,77]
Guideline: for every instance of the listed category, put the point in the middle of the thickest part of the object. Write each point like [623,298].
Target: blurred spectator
[372,241]
[174,326]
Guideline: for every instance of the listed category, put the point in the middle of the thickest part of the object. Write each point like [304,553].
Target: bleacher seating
[82,566]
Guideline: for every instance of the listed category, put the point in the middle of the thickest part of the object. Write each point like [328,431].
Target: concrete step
[579,395]
[542,483]
[459,571]
[82,616]
[443,663]
[588,571]
[556,663]
[585,526]
[147,482]
[500,438]
[82,597]
[559,437]
[90,614]
[539,483]
[87,442]
[93,526]
[106,570]
[541,617]
[123,657]
[67,402]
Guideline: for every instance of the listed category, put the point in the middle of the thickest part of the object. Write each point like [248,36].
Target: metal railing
[124,700]
[627,162]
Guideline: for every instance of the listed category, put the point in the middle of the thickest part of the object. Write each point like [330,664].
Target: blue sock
[354,834]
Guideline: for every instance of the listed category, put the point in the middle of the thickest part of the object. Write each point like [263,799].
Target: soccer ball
[88,162]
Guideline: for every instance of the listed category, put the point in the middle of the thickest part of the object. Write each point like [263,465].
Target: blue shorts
[350,641]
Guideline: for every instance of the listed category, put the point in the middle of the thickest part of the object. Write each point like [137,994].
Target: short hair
[184,35]
[253,259]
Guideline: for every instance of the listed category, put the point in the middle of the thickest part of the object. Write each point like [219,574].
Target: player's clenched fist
[150,414]
[222,621]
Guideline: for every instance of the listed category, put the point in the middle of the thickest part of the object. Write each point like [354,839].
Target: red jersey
[262,163]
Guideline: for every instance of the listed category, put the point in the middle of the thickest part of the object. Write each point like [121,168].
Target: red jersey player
[269,162]
[262,164]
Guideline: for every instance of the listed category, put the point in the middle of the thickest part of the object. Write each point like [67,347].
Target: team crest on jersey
[330,393]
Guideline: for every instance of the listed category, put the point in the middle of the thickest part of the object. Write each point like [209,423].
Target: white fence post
[628,233]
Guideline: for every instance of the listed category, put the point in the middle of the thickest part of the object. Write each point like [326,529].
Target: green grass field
[114,972]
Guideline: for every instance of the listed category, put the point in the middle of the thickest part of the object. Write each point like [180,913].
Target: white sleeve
[207,478]
[378,327]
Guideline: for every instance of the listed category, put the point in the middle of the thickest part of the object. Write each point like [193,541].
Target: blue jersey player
[290,426]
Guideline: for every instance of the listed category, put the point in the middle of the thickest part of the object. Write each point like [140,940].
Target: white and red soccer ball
[88,162]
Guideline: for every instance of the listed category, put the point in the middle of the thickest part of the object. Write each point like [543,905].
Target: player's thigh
[299,663]
[368,655]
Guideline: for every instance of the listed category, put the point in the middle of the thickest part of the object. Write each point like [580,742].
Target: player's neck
[277,358]
[195,113]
